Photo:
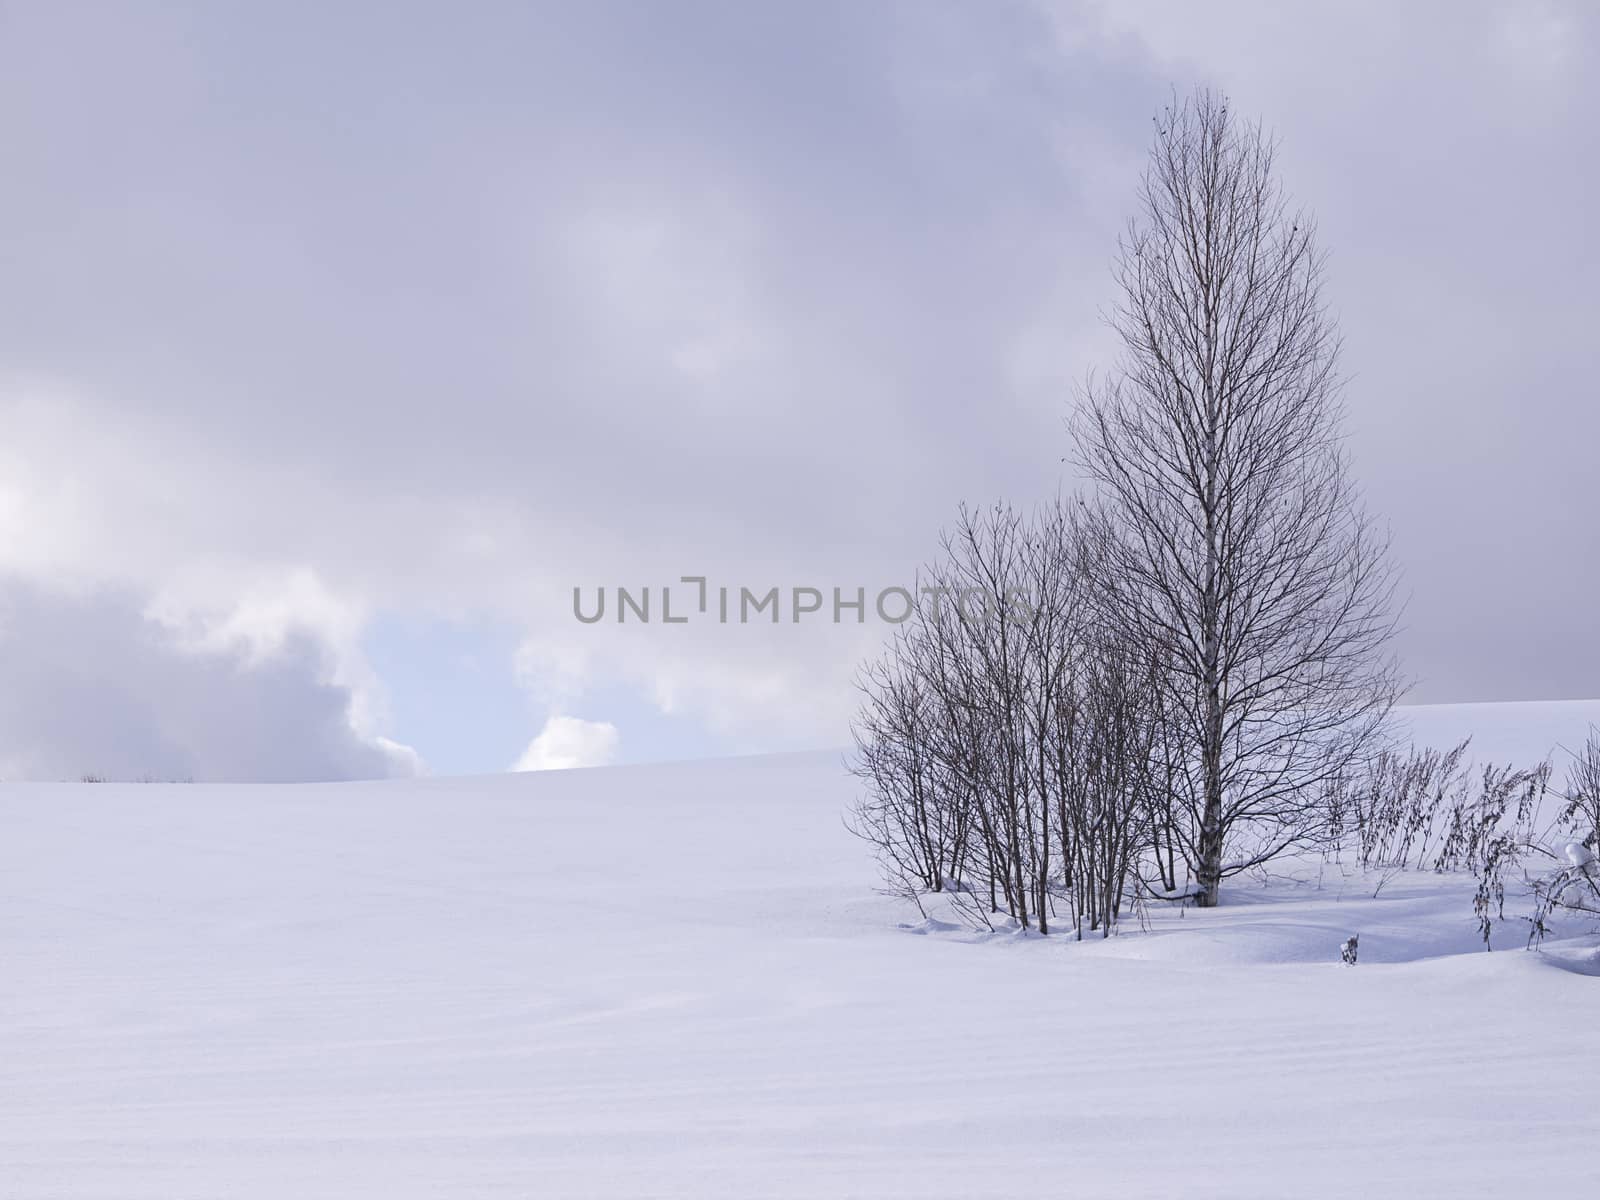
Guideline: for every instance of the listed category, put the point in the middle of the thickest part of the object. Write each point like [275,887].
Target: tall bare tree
[1242,553]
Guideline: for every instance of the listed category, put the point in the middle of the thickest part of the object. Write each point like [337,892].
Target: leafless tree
[982,632]
[906,814]
[1241,554]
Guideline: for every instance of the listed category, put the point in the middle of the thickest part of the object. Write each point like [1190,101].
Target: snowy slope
[679,981]
[1523,732]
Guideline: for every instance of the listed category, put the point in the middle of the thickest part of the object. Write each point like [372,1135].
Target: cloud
[577,303]
[93,686]
[570,742]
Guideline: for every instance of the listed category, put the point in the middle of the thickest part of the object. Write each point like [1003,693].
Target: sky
[340,344]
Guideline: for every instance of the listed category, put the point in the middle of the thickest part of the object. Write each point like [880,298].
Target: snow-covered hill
[679,981]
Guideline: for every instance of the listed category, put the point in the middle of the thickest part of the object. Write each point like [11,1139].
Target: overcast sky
[338,343]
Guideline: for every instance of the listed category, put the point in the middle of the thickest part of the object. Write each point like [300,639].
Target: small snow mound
[928,925]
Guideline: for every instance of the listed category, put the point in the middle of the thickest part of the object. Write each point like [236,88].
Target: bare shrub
[1555,868]
[1427,809]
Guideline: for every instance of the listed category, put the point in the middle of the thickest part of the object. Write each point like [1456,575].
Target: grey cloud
[92,687]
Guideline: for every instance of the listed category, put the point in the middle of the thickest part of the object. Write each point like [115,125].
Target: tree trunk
[1208,871]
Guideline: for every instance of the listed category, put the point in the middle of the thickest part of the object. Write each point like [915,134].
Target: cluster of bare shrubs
[1010,736]
[146,777]
[1427,809]
[1554,866]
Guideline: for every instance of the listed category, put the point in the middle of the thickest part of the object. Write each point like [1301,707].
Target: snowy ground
[678,981]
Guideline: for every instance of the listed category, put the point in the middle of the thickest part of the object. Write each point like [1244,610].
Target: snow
[679,981]
[1523,732]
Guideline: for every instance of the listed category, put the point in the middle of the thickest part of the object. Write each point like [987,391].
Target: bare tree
[1241,555]
[984,635]
[905,813]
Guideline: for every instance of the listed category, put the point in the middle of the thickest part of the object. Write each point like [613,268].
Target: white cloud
[570,742]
